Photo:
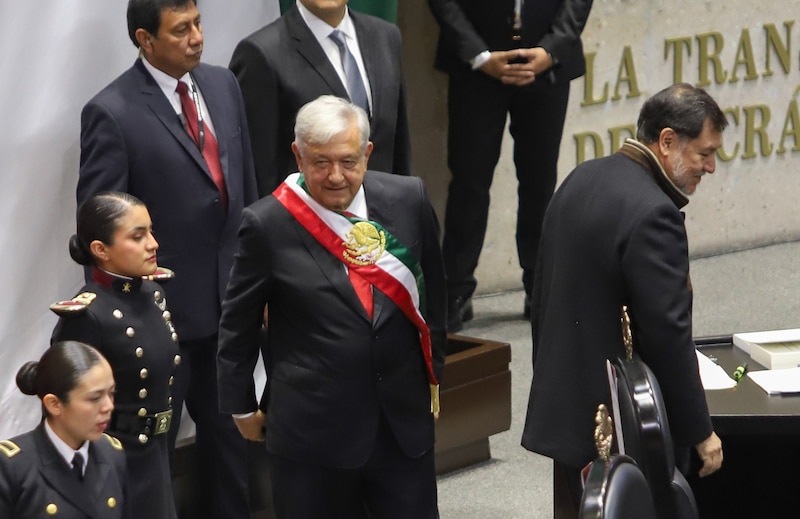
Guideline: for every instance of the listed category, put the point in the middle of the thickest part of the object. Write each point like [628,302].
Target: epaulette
[161,274]
[74,306]
[9,448]
[113,441]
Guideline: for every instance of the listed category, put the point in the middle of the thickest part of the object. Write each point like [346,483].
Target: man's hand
[518,67]
[252,427]
[710,451]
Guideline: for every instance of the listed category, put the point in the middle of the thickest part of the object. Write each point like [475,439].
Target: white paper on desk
[777,381]
[712,375]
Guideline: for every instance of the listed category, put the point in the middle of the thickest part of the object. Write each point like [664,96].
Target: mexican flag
[386,9]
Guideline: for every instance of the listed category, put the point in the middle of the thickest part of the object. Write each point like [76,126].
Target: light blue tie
[355,85]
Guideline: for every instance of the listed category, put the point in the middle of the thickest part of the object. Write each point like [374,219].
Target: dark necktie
[355,84]
[204,140]
[77,466]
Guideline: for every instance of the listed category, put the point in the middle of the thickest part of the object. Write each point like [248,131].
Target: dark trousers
[478,106]
[567,491]
[389,486]
[222,492]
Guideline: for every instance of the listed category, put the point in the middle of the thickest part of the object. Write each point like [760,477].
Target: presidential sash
[373,252]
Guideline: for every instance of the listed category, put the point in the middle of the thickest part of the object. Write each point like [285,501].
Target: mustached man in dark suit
[504,58]
[172,132]
[614,235]
[293,61]
[348,261]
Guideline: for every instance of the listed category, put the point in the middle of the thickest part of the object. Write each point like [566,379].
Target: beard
[682,176]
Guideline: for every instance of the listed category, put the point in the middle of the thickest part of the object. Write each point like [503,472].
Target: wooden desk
[760,441]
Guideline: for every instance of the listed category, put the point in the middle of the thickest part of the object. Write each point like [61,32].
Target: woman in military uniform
[66,467]
[123,313]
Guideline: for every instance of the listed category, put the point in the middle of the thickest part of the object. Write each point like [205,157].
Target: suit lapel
[308,47]
[372,55]
[96,474]
[154,98]
[332,268]
[55,470]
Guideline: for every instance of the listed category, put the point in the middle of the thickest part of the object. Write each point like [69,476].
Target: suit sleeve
[249,184]
[242,317]
[457,30]
[565,30]
[259,87]
[656,266]
[104,156]
[435,287]
[402,139]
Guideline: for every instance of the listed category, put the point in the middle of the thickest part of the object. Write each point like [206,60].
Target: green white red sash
[370,249]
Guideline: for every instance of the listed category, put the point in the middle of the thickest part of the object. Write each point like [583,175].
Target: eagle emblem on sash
[365,244]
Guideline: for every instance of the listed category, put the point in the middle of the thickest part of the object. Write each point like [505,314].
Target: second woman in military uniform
[124,315]
[66,467]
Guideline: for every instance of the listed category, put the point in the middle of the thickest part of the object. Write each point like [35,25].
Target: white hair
[320,120]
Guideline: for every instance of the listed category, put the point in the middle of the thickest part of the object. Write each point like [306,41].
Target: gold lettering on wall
[708,57]
[677,45]
[744,56]
[751,129]
[626,74]
[749,134]
[732,114]
[588,84]
[774,42]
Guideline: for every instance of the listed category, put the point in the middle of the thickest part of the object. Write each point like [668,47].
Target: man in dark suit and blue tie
[504,58]
[348,261]
[172,131]
[320,47]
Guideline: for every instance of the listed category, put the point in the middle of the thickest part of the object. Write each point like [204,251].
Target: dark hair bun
[26,377]
[79,253]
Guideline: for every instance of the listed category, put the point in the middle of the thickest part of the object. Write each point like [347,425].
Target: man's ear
[297,156]
[144,38]
[667,140]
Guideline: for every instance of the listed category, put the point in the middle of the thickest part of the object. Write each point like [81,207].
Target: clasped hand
[517,67]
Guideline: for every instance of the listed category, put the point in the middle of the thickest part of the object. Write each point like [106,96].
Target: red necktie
[207,144]
[362,288]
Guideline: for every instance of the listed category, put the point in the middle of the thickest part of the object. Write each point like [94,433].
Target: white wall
[55,56]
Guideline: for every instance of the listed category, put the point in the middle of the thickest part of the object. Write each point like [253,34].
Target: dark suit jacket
[281,67]
[37,477]
[132,140]
[468,27]
[332,370]
[613,235]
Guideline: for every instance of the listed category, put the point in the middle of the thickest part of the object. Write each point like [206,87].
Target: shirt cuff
[478,61]
[244,415]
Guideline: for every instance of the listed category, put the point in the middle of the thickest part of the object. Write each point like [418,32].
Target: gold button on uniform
[143,373]
[143,438]
[51,509]
[142,411]
[139,352]
[171,380]
[166,315]
[112,503]
[169,400]
[143,393]
[130,332]
[177,359]
[117,313]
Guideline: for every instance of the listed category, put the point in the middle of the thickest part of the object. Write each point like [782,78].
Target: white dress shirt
[322,31]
